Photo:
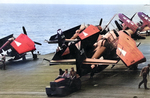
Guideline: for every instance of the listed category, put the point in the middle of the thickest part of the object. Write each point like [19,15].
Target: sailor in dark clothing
[3,61]
[144,73]
[72,73]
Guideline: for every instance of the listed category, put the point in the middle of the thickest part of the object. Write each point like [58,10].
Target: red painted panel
[23,44]
[90,30]
[128,51]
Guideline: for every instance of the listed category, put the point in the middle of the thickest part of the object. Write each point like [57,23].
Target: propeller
[34,55]
[120,21]
[118,25]
[25,32]
[132,17]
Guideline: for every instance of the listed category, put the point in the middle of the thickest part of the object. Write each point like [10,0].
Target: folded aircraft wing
[128,51]
[90,30]
[144,18]
[128,22]
[4,40]
[23,44]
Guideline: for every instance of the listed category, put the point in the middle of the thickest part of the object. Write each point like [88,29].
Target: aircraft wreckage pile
[91,48]
[84,45]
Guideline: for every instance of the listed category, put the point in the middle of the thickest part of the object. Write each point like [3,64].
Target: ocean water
[43,20]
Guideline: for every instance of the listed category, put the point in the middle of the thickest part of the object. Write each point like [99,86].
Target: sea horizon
[43,20]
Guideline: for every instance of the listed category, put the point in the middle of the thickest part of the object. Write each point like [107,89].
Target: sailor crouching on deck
[66,74]
[144,73]
[73,74]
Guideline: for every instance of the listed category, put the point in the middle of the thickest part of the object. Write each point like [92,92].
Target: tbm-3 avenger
[86,47]
[16,48]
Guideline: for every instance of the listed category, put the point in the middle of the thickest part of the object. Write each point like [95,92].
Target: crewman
[3,61]
[144,72]
[72,73]
[65,74]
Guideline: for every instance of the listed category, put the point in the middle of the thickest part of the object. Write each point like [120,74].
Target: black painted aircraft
[16,48]
[87,47]
[115,45]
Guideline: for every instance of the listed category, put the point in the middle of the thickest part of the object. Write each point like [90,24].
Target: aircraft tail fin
[61,37]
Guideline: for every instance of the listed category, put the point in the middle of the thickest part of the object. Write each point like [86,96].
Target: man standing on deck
[3,61]
[144,73]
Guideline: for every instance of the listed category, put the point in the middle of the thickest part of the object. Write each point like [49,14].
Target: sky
[77,1]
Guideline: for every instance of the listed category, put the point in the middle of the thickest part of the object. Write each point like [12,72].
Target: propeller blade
[118,25]
[100,23]
[141,22]
[120,21]
[133,16]
[37,43]
[24,30]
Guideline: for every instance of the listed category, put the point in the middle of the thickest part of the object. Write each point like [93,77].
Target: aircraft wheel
[134,67]
[34,56]
[24,58]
